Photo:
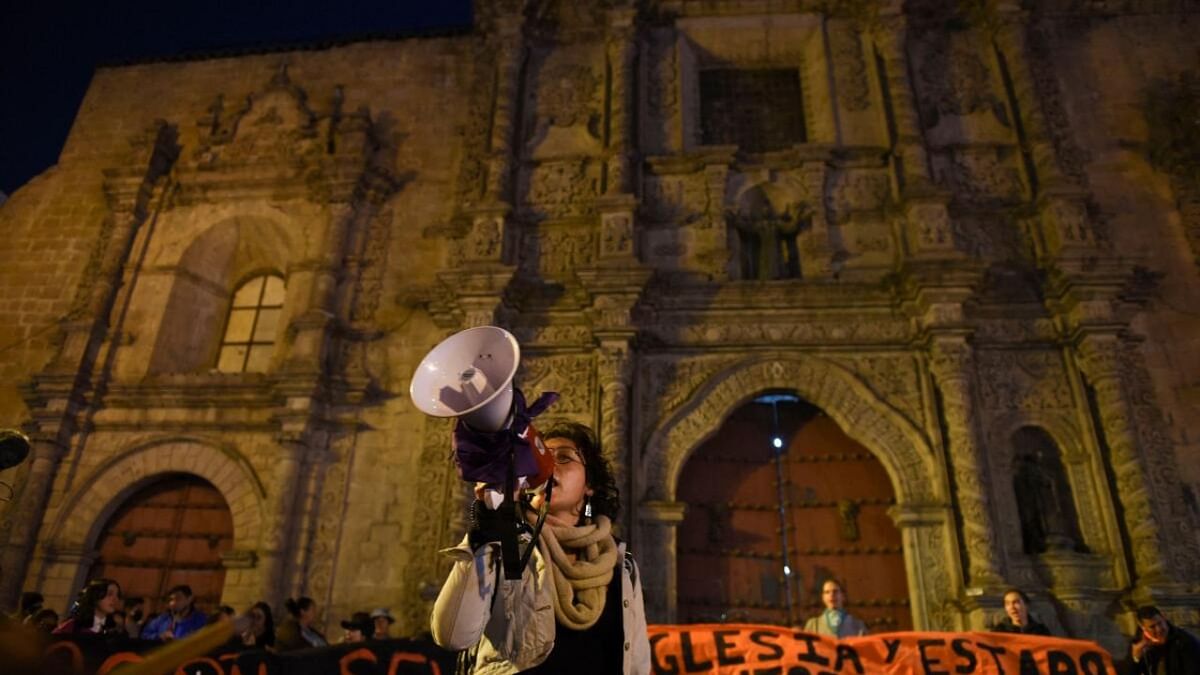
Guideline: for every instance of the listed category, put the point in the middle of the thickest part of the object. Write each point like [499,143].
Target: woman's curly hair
[606,498]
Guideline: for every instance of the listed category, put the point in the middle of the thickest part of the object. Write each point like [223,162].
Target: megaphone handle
[510,552]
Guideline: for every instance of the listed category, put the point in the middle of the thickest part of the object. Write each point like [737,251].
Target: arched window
[1044,501]
[252,326]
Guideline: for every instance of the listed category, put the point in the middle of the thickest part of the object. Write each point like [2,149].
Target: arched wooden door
[171,532]
[834,497]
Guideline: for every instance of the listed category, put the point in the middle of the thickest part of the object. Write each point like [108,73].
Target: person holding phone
[1161,648]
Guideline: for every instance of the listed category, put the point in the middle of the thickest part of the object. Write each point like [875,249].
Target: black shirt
[599,650]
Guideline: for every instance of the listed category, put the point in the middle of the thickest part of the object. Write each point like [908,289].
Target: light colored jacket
[515,629]
[851,626]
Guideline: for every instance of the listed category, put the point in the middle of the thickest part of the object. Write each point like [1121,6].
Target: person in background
[383,623]
[835,621]
[135,616]
[1161,648]
[261,634]
[223,613]
[358,628]
[31,603]
[296,631]
[94,609]
[1017,619]
[45,620]
[180,619]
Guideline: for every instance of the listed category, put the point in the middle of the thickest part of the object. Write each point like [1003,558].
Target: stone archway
[922,511]
[74,528]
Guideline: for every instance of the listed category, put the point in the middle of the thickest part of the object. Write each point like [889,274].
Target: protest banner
[92,655]
[747,649]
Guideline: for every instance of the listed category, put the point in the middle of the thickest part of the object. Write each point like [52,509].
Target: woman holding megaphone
[577,606]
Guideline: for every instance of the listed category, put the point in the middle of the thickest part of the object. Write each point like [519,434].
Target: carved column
[622,53]
[928,561]
[656,558]
[951,361]
[26,518]
[1100,360]
[615,374]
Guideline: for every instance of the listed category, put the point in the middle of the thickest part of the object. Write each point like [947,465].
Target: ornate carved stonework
[952,363]
[563,189]
[573,377]
[894,378]
[1023,379]
[956,81]
[557,251]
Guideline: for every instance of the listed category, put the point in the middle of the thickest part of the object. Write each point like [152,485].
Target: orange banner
[747,649]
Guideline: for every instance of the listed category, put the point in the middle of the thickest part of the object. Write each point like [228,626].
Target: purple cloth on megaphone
[482,457]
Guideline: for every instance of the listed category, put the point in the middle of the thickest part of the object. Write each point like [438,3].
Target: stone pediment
[273,126]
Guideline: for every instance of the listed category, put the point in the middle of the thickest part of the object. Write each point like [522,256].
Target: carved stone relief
[894,377]
[557,251]
[857,190]
[563,188]
[682,199]
[956,81]
[980,175]
[1023,379]
[572,376]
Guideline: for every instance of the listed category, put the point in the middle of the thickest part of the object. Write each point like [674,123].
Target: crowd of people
[576,607]
[100,609]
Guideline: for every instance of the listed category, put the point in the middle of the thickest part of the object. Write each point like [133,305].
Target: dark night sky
[49,50]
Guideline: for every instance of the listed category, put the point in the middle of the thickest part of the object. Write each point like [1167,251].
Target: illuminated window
[252,326]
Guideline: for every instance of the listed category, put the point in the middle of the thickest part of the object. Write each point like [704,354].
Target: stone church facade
[948,227]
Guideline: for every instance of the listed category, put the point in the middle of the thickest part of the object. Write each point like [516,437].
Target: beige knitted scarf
[579,586]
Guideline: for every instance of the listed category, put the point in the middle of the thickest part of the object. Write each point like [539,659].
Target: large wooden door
[834,498]
[170,532]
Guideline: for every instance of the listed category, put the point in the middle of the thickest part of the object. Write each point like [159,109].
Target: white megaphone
[469,375]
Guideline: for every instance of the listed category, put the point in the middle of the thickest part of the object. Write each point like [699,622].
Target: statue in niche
[767,230]
[1044,502]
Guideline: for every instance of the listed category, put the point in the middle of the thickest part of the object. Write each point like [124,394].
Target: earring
[587,507]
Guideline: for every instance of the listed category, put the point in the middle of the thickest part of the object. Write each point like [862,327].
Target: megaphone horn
[469,375]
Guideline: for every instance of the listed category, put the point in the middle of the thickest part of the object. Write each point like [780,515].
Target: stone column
[510,52]
[615,373]
[913,164]
[1100,360]
[26,518]
[929,564]
[951,361]
[622,54]
[1012,42]
[275,549]
[656,558]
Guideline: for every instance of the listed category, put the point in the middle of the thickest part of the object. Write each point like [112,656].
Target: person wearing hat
[358,628]
[383,623]
[180,619]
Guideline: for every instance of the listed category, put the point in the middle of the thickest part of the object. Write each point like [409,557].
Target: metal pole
[779,448]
